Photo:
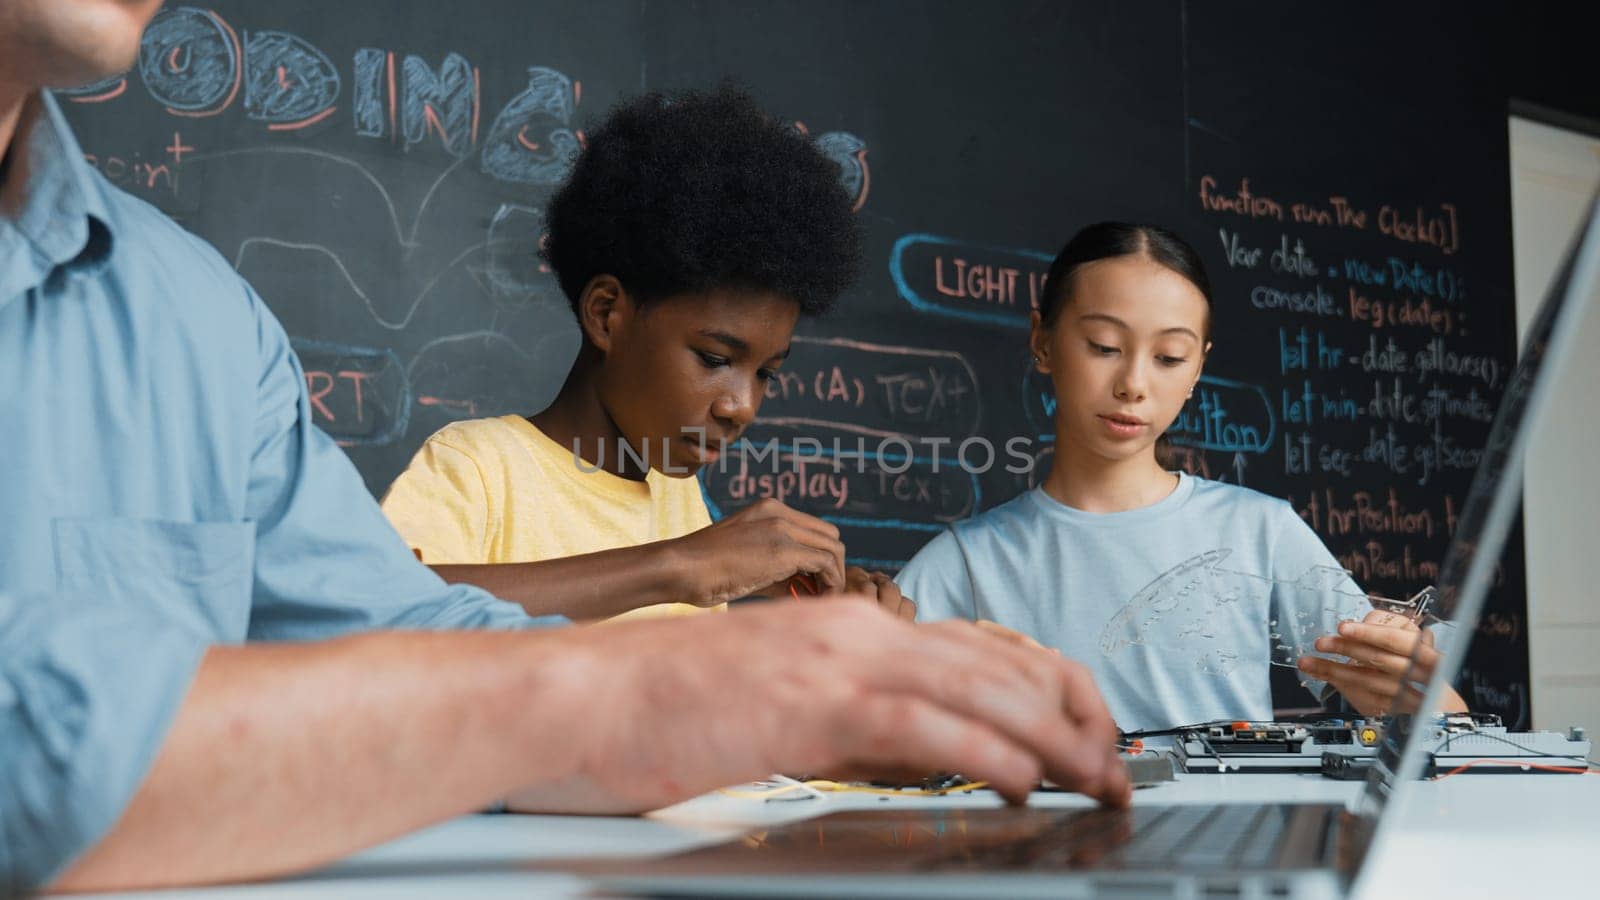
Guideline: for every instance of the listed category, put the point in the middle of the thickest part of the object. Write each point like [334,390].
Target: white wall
[1554,173]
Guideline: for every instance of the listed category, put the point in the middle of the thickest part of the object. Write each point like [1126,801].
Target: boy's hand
[678,707]
[756,551]
[1379,650]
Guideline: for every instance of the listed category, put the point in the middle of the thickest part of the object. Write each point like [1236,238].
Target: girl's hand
[860,585]
[1379,648]
[878,588]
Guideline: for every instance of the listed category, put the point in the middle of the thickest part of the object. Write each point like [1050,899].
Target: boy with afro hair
[691,235]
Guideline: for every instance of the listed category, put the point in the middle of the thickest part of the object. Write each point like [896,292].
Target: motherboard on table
[1341,748]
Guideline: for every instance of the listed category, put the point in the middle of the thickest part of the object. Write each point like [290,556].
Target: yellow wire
[835,787]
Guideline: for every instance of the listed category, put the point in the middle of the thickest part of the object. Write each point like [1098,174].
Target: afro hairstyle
[700,191]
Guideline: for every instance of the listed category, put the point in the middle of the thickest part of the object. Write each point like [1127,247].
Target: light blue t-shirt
[162,489]
[1178,608]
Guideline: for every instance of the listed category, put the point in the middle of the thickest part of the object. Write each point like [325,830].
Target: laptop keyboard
[1200,836]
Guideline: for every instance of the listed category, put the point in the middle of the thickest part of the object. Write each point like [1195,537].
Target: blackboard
[378,169]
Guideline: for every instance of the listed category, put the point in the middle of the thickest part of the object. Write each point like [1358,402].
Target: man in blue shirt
[217,661]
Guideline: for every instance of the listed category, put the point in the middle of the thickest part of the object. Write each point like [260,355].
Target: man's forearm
[588,586]
[286,756]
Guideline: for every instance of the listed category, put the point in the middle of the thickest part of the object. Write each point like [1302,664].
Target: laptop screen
[1486,517]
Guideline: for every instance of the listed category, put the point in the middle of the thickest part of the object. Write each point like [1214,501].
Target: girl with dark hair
[1176,591]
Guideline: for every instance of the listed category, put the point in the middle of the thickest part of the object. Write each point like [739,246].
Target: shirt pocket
[196,575]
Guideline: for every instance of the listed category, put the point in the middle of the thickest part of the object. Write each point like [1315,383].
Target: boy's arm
[764,544]
[441,507]
[588,586]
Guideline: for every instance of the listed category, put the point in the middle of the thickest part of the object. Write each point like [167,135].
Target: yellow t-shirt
[502,491]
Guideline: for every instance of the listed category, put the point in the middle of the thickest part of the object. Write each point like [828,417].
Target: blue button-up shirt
[162,489]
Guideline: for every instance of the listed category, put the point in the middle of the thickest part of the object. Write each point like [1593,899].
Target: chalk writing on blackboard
[854,484]
[288,83]
[359,395]
[949,277]
[194,63]
[839,385]
[191,61]
[850,152]
[1436,226]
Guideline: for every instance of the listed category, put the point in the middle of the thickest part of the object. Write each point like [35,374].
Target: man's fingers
[1041,701]
[896,733]
[1083,696]
[1016,637]
[1080,697]
[1036,701]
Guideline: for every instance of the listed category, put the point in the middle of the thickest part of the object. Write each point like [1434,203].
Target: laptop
[1244,849]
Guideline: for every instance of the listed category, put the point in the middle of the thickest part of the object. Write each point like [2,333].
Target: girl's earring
[1191,392]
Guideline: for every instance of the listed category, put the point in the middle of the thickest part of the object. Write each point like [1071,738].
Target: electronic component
[1455,739]
[1150,768]
[1348,767]
[1146,768]
[1413,608]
